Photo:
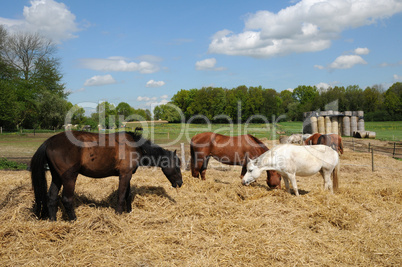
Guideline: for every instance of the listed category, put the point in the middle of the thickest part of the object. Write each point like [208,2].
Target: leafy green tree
[78,116]
[167,112]
[393,101]
[373,98]
[34,80]
[106,114]
[354,98]
[124,109]
[8,98]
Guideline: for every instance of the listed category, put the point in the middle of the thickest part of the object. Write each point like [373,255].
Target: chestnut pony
[94,155]
[332,140]
[231,150]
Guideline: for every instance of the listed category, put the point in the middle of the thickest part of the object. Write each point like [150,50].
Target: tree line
[256,103]
[108,115]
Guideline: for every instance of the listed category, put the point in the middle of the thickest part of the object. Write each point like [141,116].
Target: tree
[34,79]
[124,109]
[167,112]
[373,98]
[22,50]
[354,98]
[78,116]
[106,115]
[393,101]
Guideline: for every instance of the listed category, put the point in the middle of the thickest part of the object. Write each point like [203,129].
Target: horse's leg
[286,180]
[244,170]
[124,192]
[68,180]
[53,194]
[292,178]
[326,175]
[204,168]
[127,196]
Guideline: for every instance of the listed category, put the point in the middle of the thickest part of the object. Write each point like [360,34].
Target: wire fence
[393,150]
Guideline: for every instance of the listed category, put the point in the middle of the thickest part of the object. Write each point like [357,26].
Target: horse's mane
[258,141]
[146,147]
[137,136]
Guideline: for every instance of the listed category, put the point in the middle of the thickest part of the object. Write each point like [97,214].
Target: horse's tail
[39,184]
[340,143]
[335,177]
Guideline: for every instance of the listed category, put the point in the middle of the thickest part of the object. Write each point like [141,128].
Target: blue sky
[143,52]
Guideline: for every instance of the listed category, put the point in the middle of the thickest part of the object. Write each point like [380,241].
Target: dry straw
[217,222]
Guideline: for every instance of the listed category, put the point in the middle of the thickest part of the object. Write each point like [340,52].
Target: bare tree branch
[22,50]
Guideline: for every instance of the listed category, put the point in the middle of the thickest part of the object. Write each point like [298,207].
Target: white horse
[291,160]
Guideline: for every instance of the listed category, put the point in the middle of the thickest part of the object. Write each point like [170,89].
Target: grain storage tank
[360,125]
[334,123]
[314,125]
[353,125]
[328,125]
[321,125]
[346,126]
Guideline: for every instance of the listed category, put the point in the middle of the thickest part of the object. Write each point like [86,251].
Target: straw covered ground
[217,222]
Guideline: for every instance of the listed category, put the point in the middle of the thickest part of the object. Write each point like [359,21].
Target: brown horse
[94,155]
[332,140]
[229,150]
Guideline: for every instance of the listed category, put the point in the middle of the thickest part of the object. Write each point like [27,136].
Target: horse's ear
[174,153]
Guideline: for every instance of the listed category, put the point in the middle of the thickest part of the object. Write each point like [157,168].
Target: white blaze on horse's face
[253,172]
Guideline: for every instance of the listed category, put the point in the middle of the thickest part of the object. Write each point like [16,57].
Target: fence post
[393,153]
[353,142]
[372,159]
[183,157]
[369,148]
[1,130]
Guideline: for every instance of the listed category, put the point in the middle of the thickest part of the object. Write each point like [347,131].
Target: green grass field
[170,134]
[386,130]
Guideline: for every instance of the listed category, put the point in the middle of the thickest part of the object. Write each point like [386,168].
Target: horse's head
[274,179]
[171,169]
[253,172]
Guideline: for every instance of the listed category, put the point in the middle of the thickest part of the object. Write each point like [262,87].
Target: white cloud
[146,98]
[346,62]
[308,26]
[397,77]
[155,103]
[52,19]
[152,83]
[100,80]
[208,64]
[323,86]
[118,64]
[362,51]
[164,97]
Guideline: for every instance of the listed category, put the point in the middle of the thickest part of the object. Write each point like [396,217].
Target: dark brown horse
[229,150]
[94,155]
[332,140]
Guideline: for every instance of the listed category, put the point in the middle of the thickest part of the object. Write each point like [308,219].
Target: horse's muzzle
[177,184]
